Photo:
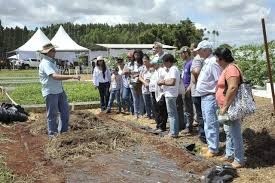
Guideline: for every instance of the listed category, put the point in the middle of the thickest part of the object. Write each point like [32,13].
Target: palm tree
[215,34]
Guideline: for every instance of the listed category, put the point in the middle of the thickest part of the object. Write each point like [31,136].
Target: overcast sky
[238,21]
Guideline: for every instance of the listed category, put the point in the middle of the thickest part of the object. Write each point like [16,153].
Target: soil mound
[88,136]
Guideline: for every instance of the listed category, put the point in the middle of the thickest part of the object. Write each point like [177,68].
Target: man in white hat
[53,92]
[206,88]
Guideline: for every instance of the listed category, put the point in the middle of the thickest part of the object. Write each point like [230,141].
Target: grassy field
[19,73]
[76,92]
[24,92]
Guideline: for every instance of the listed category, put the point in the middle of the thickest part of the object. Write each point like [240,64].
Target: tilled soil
[87,137]
[115,148]
[111,150]
[24,155]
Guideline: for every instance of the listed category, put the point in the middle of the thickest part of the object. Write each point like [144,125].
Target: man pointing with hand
[53,92]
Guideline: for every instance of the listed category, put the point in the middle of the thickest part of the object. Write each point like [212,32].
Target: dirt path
[24,155]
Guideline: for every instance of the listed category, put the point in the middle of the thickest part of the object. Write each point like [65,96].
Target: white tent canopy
[64,42]
[66,48]
[35,43]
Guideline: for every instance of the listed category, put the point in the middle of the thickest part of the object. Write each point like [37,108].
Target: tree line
[87,35]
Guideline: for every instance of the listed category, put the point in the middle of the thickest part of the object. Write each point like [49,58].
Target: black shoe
[108,111]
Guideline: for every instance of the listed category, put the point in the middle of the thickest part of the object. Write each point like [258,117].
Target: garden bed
[30,93]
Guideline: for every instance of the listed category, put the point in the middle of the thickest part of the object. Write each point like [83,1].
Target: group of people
[155,88]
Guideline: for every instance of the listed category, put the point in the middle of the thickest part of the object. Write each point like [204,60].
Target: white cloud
[238,21]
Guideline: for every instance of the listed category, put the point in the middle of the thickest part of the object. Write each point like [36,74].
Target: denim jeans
[188,111]
[197,103]
[211,124]
[171,104]
[57,103]
[180,112]
[115,94]
[127,100]
[148,104]
[234,141]
[104,93]
[138,103]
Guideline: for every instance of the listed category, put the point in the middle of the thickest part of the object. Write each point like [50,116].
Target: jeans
[148,104]
[161,114]
[138,103]
[234,141]
[104,93]
[154,104]
[57,103]
[114,94]
[180,112]
[127,100]
[188,111]
[171,103]
[197,103]
[211,124]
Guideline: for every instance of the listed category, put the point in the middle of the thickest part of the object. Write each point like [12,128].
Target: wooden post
[268,63]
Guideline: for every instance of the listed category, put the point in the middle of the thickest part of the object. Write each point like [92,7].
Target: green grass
[76,92]
[18,78]
[3,98]
[19,73]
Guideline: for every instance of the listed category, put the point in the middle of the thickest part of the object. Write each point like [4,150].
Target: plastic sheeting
[10,113]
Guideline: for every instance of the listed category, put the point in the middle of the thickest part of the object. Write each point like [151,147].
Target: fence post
[268,63]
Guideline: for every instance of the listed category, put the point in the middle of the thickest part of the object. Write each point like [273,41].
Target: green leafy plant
[251,60]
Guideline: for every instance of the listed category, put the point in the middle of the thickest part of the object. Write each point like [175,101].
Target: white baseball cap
[99,58]
[204,44]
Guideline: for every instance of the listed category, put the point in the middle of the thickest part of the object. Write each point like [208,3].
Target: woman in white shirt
[135,84]
[145,77]
[170,85]
[101,80]
[158,97]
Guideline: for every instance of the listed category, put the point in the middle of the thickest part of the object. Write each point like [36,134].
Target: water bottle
[223,118]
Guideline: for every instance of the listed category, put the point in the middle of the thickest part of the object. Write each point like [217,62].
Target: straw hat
[47,47]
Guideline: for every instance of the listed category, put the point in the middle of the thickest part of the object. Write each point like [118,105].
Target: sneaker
[186,131]
[108,111]
[195,123]
[227,159]
[158,130]
[237,165]
[171,136]
[209,154]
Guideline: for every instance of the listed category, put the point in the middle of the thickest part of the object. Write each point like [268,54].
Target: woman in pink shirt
[227,88]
